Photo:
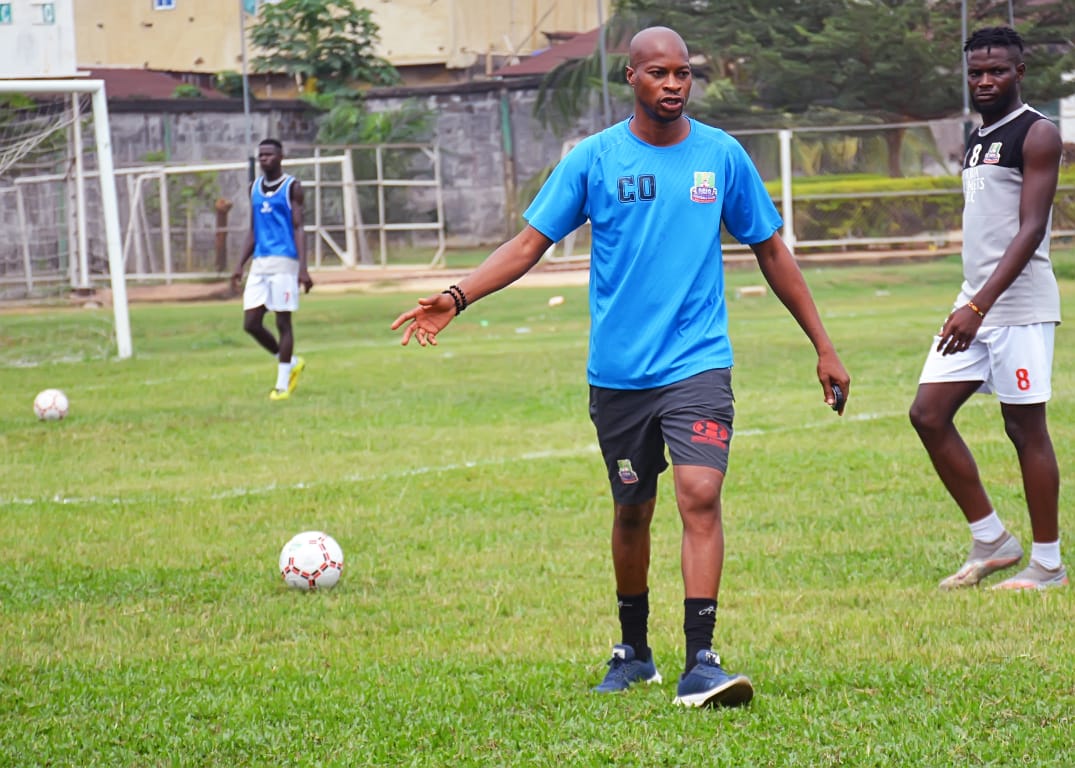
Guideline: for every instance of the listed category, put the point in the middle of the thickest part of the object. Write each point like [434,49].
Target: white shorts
[273,283]
[1014,361]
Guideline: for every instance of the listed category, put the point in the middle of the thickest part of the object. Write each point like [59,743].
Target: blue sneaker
[707,685]
[624,670]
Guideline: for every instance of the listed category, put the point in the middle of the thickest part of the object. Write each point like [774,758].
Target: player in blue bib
[276,250]
[656,189]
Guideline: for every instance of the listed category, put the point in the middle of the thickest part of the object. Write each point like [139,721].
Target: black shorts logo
[710,433]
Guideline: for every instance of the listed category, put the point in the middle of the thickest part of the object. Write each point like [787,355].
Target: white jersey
[992,188]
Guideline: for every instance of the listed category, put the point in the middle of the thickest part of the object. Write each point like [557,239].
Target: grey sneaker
[1035,576]
[985,559]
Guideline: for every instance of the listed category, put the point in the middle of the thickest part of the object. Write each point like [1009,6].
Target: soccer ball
[311,560]
[50,405]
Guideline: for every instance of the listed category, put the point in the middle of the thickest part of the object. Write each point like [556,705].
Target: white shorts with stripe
[273,283]
[1014,361]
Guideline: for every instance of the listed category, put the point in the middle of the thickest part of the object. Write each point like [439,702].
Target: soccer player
[656,189]
[275,243]
[999,336]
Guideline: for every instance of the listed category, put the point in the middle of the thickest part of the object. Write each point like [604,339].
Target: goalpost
[55,115]
[56,229]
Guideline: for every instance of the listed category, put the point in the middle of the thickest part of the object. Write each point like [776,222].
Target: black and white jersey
[992,187]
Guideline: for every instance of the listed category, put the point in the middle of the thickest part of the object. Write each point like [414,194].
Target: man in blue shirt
[656,189]
[276,250]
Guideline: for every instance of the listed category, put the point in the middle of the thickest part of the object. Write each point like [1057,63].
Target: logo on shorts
[627,472]
[705,187]
[710,433]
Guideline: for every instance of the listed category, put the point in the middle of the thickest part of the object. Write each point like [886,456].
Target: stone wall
[484,186]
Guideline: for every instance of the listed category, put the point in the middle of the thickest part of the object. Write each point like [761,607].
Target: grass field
[143,623]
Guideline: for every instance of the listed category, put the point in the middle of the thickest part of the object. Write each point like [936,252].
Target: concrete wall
[485,187]
[481,182]
[195,130]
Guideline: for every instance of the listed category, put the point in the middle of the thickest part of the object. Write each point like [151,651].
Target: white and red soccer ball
[51,405]
[311,560]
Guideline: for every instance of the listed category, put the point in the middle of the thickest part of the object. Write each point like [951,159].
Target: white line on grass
[568,453]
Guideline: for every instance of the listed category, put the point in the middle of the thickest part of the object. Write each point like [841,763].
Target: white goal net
[58,203]
[33,131]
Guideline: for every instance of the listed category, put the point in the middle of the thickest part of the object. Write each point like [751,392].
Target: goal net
[58,204]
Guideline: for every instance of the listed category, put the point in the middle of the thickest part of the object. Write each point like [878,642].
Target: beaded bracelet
[457,293]
[974,308]
[458,303]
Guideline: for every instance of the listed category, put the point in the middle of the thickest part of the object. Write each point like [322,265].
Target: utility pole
[246,83]
[606,105]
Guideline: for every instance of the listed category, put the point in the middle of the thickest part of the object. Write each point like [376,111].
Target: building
[428,41]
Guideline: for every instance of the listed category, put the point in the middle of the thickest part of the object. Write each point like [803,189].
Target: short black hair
[994,37]
[274,142]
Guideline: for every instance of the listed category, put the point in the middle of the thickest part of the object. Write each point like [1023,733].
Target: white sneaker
[985,559]
[1035,576]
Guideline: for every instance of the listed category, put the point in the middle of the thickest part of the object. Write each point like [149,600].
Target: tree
[733,44]
[781,63]
[891,61]
[1048,28]
[326,45]
[901,61]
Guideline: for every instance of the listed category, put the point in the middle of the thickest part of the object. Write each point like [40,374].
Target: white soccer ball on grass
[311,560]
[51,405]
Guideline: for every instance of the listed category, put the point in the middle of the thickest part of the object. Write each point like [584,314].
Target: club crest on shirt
[265,207]
[705,187]
[992,157]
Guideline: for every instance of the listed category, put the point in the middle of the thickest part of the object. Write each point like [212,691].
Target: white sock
[283,373]
[988,529]
[1046,554]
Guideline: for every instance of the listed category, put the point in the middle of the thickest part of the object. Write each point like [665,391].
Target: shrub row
[840,207]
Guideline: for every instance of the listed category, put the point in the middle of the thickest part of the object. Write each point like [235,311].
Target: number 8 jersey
[992,188]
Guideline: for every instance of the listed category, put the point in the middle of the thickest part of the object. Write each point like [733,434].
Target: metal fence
[365,205]
[859,188]
[840,189]
[874,186]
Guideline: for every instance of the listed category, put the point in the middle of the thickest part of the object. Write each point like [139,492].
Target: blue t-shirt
[274,232]
[657,309]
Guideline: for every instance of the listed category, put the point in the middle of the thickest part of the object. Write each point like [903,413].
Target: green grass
[142,621]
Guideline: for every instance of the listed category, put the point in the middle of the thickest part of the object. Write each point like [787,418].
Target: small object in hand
[837,398]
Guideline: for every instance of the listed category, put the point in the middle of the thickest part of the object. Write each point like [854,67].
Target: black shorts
[693,418]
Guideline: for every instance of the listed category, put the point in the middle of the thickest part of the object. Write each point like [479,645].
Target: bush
[861,206]
[187,91]
[229,82]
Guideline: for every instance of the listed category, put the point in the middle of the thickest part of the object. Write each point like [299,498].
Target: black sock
[699,619]
[634,622]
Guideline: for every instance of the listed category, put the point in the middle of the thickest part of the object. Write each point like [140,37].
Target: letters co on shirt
[634,188]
